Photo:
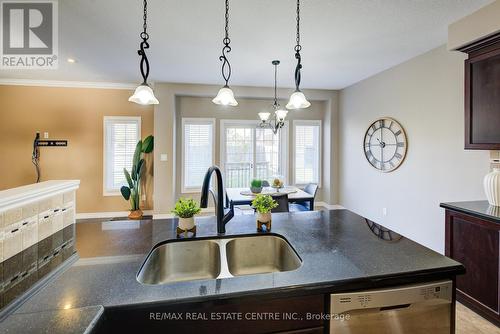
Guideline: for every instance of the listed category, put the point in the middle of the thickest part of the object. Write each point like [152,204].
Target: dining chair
[312,189]
[282,200]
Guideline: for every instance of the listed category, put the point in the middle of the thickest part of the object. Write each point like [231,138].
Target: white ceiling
[344,41]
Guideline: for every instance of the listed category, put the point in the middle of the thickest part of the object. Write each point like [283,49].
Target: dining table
[243,196]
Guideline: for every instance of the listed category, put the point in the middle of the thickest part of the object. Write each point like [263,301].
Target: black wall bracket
[51,143]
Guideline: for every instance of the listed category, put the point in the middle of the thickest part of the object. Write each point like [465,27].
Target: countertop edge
[452,206]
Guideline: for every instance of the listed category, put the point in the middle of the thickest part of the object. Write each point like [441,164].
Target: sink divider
[224,267]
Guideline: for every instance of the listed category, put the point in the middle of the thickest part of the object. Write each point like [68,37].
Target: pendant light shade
[298,99]
[144,94]
[281,114]
[225,97]
[264,116]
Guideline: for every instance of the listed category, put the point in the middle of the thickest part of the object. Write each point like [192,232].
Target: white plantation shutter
[198,151]
[307,151]
[121,135]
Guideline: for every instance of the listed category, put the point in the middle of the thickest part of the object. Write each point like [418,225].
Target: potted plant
[256,186]
[132,192]
[185,209]
[263,204]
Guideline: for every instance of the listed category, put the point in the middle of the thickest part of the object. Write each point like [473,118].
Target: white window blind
[307,150]
[198,151]
[121,135]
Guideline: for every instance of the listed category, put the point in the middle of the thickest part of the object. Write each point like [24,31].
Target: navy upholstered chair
[311,189]
[282,200]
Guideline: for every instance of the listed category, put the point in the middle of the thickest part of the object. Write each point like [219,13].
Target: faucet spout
[222,217]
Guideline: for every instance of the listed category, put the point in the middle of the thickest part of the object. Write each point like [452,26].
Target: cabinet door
[475,244]
[482,98]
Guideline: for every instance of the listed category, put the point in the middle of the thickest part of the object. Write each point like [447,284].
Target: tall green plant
[132,193]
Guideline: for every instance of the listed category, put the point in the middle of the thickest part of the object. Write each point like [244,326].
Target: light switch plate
[163,157]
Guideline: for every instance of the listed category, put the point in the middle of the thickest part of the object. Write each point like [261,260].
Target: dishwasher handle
[397,297]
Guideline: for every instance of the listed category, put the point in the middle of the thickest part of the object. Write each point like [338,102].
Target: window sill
[111,193]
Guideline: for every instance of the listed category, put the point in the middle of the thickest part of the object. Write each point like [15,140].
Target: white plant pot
[186,223]
[492,187]
[264,217]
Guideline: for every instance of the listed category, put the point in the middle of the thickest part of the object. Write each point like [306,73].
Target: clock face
[385,144]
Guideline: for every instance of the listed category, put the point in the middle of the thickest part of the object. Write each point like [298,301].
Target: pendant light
[144,94]
[279,113]
[225,96]
[298,99]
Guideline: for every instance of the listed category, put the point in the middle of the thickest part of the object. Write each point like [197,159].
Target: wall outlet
[143,197]
[384,211]
[163,157]
[45,135]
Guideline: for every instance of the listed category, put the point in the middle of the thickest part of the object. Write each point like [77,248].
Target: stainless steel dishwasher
[423,308]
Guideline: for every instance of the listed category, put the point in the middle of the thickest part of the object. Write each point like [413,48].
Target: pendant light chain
[276,104]
[144,45]
[226,66]
[144,34]
[297,49]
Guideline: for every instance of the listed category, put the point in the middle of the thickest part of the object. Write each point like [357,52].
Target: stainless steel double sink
[210,258]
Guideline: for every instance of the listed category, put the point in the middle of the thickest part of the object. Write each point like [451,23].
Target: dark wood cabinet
[251,314]
[474,242]
[482,94]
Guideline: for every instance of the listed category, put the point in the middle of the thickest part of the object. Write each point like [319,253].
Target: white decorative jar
[492,187]
[186,223]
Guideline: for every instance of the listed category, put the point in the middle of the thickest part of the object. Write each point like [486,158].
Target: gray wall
[425,95]
[247,109]
[167,134]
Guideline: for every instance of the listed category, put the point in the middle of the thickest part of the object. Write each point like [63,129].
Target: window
[307,148]
[249,152]
[197,151]
[121,135]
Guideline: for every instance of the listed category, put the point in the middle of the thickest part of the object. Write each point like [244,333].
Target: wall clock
[385,144]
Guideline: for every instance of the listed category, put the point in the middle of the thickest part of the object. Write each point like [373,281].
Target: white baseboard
[329,206]
[90,215]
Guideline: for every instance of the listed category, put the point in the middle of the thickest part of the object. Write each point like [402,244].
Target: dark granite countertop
[337,248]
[80,320]
[480,209]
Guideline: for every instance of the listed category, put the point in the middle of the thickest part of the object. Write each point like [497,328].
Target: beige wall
[425,95]
[75,114]
[167,135]
[247,109]
[480,24]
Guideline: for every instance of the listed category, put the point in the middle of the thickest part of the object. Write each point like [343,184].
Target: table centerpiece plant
[186,209]
[256,186]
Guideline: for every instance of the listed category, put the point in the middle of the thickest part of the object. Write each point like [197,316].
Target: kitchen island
[340,251]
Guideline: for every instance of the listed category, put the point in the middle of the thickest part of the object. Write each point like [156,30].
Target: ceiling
[344,41]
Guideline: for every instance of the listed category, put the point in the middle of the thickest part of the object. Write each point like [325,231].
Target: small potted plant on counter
[263,204]
[185,209]
[132,192]
[256,186]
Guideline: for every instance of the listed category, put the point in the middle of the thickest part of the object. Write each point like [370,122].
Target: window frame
[115,119]
[320,149]
[195,120]
[284,137]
